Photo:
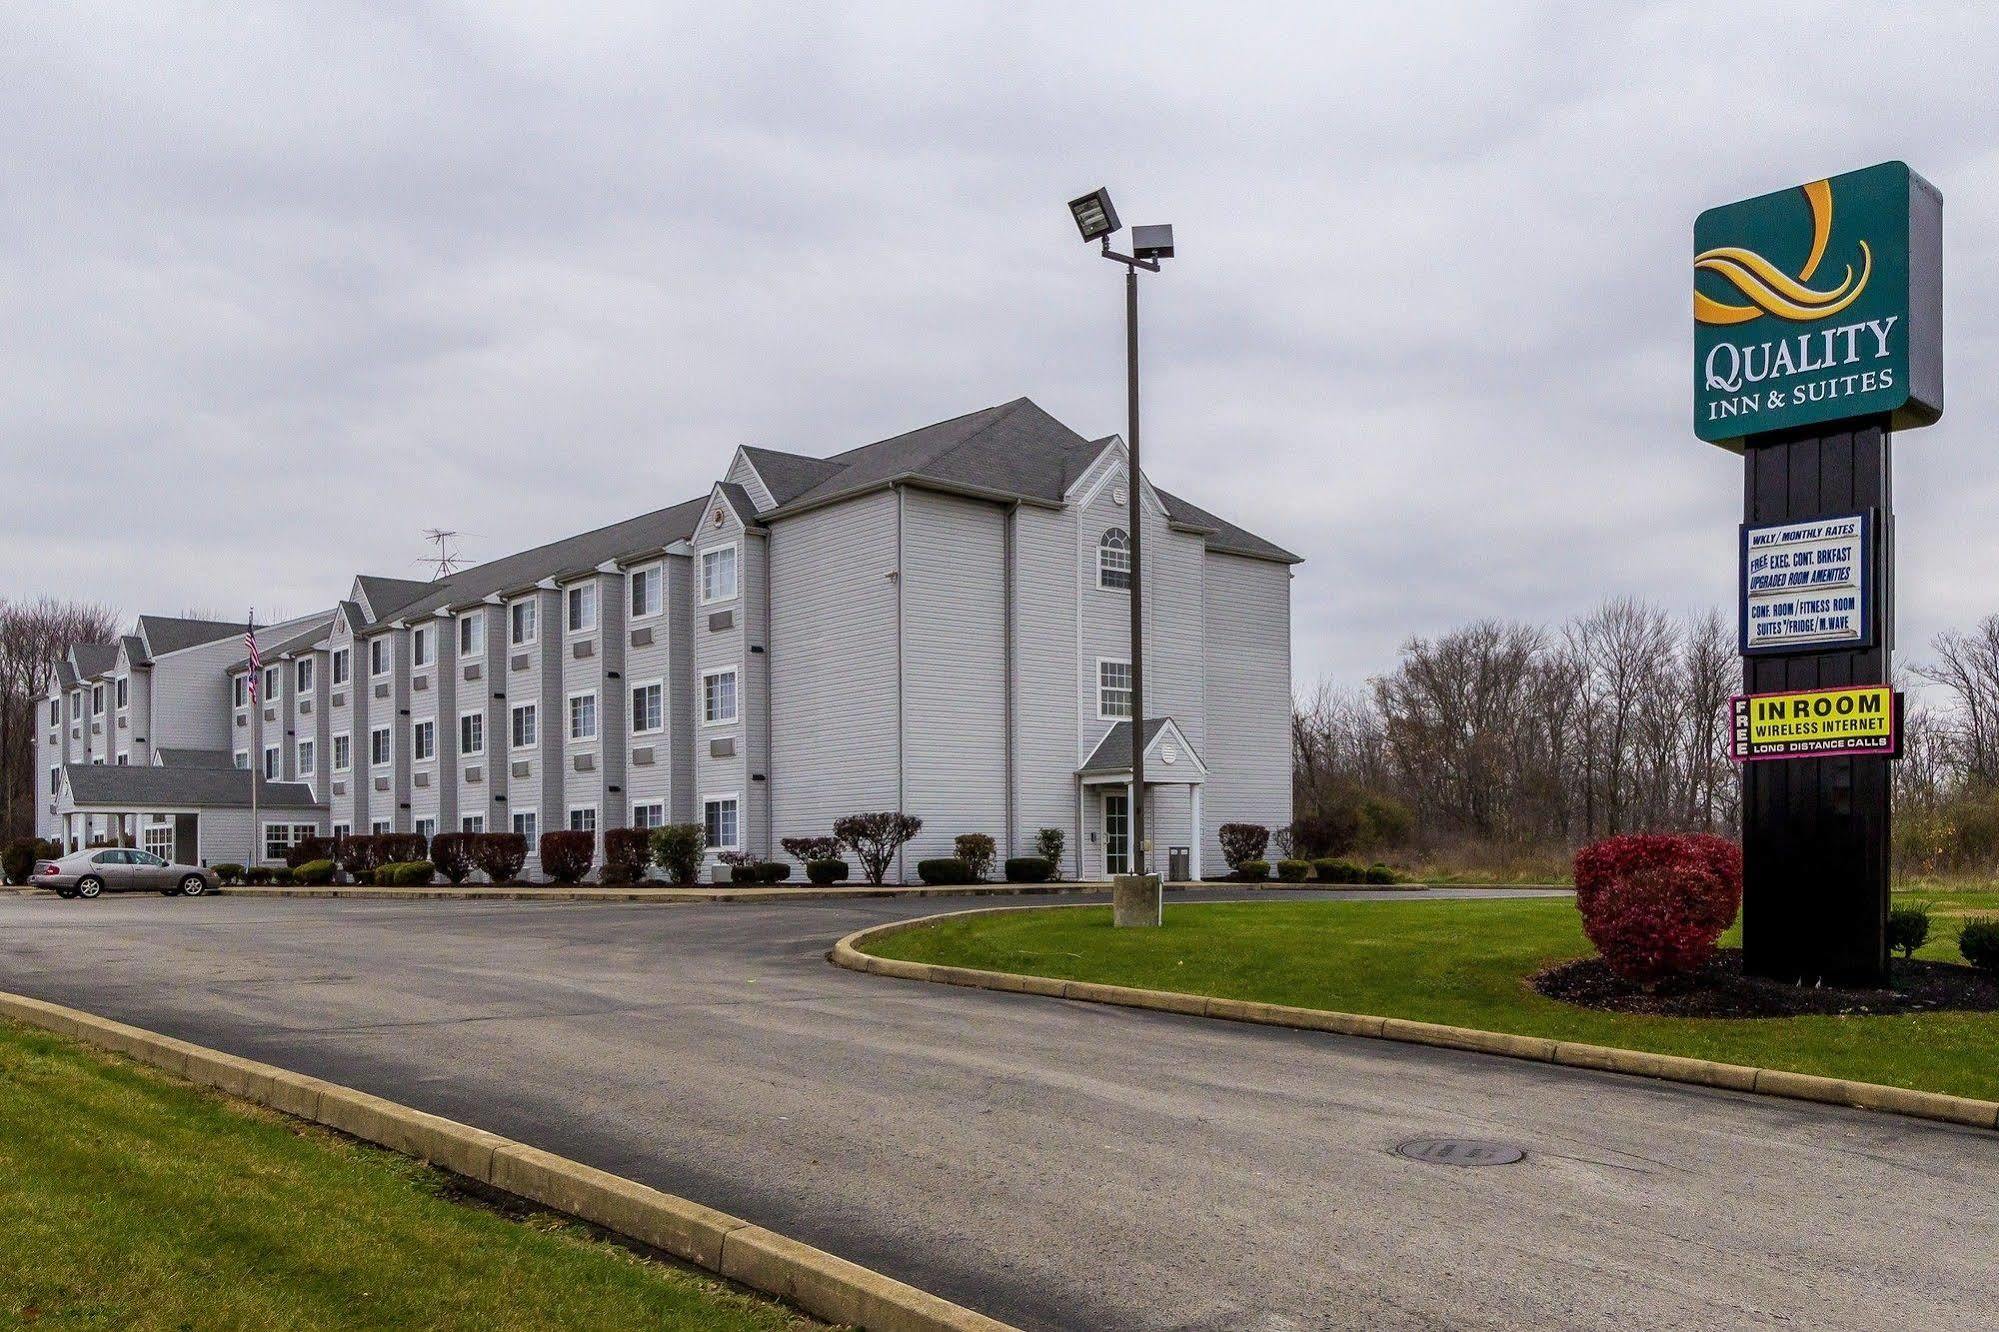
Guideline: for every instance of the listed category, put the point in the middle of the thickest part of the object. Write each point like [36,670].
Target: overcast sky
[279,289]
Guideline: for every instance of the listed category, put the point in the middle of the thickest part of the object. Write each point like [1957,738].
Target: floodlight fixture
[1095,217]
[1152,242]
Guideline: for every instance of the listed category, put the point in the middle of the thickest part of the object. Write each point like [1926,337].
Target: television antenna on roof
[445,562]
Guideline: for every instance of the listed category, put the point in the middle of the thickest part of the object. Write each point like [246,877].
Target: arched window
[1114,561]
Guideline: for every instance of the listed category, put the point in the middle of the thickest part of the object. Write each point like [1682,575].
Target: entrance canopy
[1169,759]
[177,808]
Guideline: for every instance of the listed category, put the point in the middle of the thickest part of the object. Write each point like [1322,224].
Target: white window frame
[591,810]
[591,597]
[465,751]
[416,826]
[381,827]
[294,833]
[305,675]
[274,760]
[382,645]
[534,837]
[344,740]
[388,735]
[239,691]
[97,700]
[422,656]
[533,605]
[513,729]
[274,683]
[1102,569]
[343,666]
[242,760]
[340,830]
[471,625]
[416,740]
[648,810]
[305,757]
[723,798]
[735,695]
[735,553]
[596,717]
[1113,716]
[472,823]
[656,605]
[637,685]
[121,693]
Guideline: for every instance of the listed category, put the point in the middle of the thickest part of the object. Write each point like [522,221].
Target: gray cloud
[294,283]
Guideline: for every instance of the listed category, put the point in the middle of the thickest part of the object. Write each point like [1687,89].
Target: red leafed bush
[1654,904]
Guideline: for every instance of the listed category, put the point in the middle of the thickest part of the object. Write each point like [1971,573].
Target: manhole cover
[1459,1152]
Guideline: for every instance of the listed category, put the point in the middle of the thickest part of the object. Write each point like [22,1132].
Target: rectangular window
[55,781]
[271,763]
[472,634]
[719,817]
[97,700]
[124,760]
[718,574]
[76,705]
[647,704]
[420,646]
[381,747]
[343,753]
[526,729]
[308,755]
[583,819]
[271,683]
[646,596]
[583,608]
[426,828]
[341,661]
[1113,689]
[282,837]
[528,823]
[718,697]
[342,830]
[378,656]
[423,741]
[242,759]
[582,716]
[521,615]
[651,814]
[472,823]
[308,669]
[55,712]
[381,827]
[472,734]
[240,686]
[124,695]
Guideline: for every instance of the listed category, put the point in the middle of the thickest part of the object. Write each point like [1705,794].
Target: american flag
[256,658]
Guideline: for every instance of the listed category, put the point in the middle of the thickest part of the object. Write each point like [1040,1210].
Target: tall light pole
[1098,221]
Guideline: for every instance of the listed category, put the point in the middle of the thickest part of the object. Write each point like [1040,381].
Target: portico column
[1194,857]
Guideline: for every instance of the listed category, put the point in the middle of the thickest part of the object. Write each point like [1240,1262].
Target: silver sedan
[115,869]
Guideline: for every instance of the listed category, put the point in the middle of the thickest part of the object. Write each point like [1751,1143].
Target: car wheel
[89,887]
[193,886]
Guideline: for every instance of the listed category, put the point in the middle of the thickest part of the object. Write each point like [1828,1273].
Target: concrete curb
[1572,1054]
[664,895]
[811,1279]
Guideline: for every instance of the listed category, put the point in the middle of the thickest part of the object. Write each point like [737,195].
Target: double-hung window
[378,656]
[271,683]
[472,633]
[423,741]
[718,697]
[381,747]
[648,702]
[718,817]
[343,753]
[308,670]
[1113,689]
[526,725]
[341,660]
[308,756]
[472,823]
[472,734]
[1114,561]
[97,700]
[528,824]
[521,619]
[426,829]
[271,769]
[646,591]
[583,608]
[583,819]
[649,814]
[240,687]
[124,694]
[420,647]
[582,716]
[718,574]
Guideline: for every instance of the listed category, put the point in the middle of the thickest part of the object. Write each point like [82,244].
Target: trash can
[1179,864]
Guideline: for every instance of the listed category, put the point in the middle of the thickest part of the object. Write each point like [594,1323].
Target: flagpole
[256,688]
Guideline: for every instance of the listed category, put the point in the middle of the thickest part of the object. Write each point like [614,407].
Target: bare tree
[1967,665]
[34,635]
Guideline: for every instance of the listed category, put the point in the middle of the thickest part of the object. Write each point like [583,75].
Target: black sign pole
[1815,832]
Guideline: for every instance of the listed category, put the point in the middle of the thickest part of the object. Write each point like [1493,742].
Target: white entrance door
[1117,831]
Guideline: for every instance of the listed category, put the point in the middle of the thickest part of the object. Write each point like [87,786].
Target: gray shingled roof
[194,758]
[135,649]
[1113,752]
[386,596]
[739,499]
[94,659]
[789,475]
[1223,535]
[312,637]
[164,633]
[135,789]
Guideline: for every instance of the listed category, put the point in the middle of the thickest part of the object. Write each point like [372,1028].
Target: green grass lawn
[131,1200]
[1459,962]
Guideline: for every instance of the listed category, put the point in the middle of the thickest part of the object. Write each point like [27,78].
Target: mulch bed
[1720,990]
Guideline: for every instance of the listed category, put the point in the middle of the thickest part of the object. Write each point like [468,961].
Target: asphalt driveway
[1058,1165]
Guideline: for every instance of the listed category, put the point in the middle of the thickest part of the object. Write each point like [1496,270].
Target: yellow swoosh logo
[1771,290]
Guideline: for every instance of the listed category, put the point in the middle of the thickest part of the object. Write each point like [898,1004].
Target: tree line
[34,635]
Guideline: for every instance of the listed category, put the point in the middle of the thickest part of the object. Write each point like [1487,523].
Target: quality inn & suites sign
[1819,303]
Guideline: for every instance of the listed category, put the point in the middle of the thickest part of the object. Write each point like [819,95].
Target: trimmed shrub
[410,874]
[308,849]
[1378,873]
[1979,942]
[567,856]
[773,871]
[360,855]
[805,850]
[1244,842]
[1339,871]
[1253,871]
[1909,928]
[402,848]
[1048,844]
[230,874]
[977,851]
[1654,904]
[677,849]
[452,854]
[500,855]
[875,839]
[258,876]
[943,870]
[823,872]
[1294,871]
[1029,869]
[316,873]
[742,866]
[627,852]
[17,861]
